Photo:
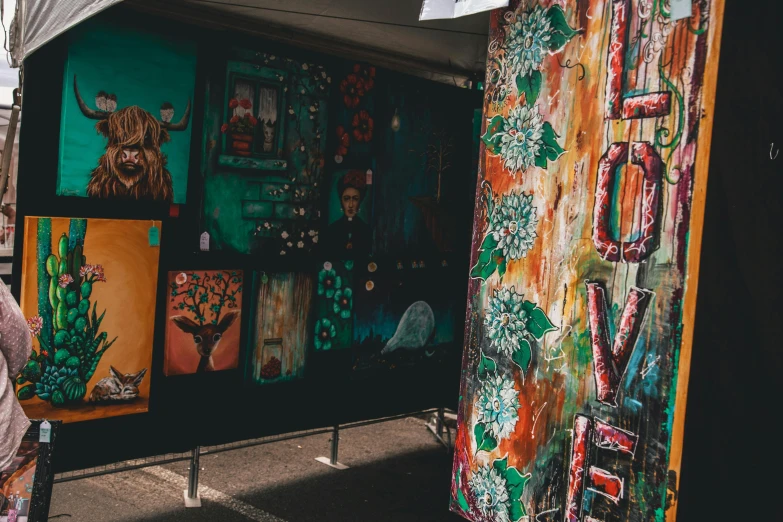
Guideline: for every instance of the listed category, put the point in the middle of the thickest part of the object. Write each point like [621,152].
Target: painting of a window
[252,127]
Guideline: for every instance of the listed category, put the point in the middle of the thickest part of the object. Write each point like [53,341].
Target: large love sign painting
[586,248]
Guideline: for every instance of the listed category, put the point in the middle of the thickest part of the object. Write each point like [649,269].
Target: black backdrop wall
[186,411]
[730,461]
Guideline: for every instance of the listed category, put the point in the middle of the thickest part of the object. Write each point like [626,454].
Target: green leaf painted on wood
[491,138]
[561,31]
[484,441]
[486,264]
[530,85]
[502,268]
[501,465]
[486,365]
[516,511]
[552,150]
[461,500]
[541,159]
[522,355]
[538,323]
[516,482]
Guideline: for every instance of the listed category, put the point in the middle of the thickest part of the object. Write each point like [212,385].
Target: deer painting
[205,306]
[206,337]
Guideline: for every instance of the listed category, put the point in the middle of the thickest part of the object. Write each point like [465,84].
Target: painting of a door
[596,134]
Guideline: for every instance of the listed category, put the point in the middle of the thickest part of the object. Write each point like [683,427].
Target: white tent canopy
[384,32]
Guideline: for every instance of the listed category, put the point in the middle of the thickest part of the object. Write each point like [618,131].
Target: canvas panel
[142,84]
[88,291]
[203,319]
[596,137]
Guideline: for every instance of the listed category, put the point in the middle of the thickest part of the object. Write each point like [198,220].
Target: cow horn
[181,124]
[90,113]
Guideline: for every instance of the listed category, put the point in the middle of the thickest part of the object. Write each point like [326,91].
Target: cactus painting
[85,318]
[203,321]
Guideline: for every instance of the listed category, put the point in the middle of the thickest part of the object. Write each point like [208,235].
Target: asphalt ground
[397,472]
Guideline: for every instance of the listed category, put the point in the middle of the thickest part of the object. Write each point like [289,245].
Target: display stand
[331,461]
[192,498]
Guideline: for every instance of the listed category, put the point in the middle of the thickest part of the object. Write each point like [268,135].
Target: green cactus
[27,392]
[70,341]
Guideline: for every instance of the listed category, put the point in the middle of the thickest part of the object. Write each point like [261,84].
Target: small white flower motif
[513,224]
[520,138]
[497,407]
[289,244]
[302,148]
[305,66]
[311,233]
[327,266]
[286,187]
[266,224]
[301,211]
[303,91]
[300,244]
[301,234]
[284,235]
[282,252]
[315,239]
[291,110]
[506,320]
[271,56]
[527,42]
[491,493]
[329,80]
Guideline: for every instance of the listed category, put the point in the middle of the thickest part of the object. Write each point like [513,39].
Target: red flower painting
[366,74]
[362,126]
[353,89]
[344,141]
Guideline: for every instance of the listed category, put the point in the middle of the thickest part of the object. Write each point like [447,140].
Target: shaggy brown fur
[136,129]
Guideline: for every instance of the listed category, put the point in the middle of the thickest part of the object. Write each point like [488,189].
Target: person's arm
[15,340]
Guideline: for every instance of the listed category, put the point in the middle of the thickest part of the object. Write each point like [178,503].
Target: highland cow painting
[203,318]
[126,123]
[587,230]
[88,291]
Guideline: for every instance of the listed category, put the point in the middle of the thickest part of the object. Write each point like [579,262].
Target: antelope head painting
[206,337]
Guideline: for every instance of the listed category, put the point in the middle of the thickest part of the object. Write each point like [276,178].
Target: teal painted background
[141,69]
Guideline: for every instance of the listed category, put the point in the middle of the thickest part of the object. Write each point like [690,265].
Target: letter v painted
[610,363]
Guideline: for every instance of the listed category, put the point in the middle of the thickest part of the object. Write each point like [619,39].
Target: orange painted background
[128,296]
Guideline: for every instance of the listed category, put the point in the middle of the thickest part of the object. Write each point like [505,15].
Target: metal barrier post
[192,498]
[332,460]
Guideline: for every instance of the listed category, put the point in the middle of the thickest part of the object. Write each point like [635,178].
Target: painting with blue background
[140,68]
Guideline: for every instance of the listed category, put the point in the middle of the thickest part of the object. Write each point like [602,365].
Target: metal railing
[194,455]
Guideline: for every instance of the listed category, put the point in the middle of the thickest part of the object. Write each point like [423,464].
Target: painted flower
[324,333]
[491,493]
[233,103]
[328,283]
[352,88]
[65,280]
[35,324]
[362,126]
[497,407]
[224,128]
[506,320]
[234,119]
[343,140]
[527,42]
[367,75]
[85,270]
[245,103]
[252,119]
[343,302]
[520,138]
[97,270]
[513,224]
